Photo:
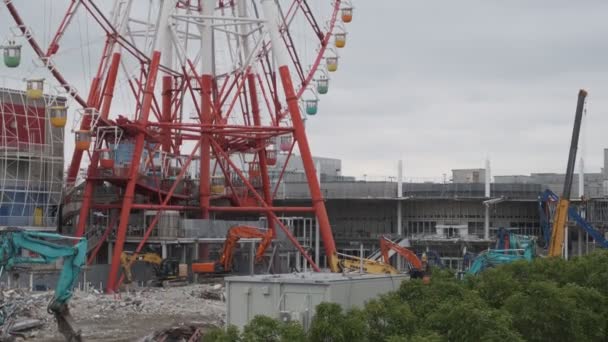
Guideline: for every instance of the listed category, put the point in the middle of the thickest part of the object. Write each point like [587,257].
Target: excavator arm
[14,240]
[386,245]
[224,264]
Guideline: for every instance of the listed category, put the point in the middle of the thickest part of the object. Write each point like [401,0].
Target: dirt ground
[131,316]
[120,330]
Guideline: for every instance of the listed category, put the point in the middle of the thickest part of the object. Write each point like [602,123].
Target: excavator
[510,247]
[418,268]
[224,264]
[14,240]
[167,270]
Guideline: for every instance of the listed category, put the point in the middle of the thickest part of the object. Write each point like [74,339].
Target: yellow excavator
[417,268]
[167,270]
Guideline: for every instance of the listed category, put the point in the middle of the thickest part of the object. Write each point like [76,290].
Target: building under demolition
[446,218]
[31,158]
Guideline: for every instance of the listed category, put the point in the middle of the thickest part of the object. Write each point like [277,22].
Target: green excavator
[47,248]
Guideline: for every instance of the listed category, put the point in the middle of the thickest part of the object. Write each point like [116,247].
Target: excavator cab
[167,269]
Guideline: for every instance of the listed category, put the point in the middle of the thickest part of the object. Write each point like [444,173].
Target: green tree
[262,328]
[389,316]
[472,320]
[327,324]
[231,334]
[355,326]
[424,299]
[292,332]
[495,285]
[425,336]
[544,312]
[590,310]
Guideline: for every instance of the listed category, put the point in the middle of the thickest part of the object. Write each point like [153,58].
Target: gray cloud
[444,84]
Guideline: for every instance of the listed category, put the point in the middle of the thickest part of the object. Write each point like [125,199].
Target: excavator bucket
[65,323]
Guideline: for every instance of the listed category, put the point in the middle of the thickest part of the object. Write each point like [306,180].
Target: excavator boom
[355,264]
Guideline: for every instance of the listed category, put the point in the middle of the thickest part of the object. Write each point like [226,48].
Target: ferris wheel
[178,100]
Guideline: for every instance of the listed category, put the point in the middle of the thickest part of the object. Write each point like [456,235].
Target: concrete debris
[183,332]
[26,324]
[215,292]
[126,316]
[20,312]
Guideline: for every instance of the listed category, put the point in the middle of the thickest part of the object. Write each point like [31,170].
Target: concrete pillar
[31,281]
[252,258]
[486,226]
[195,257]
[110,245]
[399,206]
[184,253]
[163,249]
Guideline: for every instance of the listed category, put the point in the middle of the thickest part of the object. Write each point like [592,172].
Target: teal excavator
[47,250]
[510,247]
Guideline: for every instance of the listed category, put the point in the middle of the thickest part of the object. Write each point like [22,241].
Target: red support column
[84,125]
[89,188]
[166,112]
[205,166]
[255,111]
[129,193]
[309,168]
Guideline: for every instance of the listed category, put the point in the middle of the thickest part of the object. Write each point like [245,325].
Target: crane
[224,264]
[561,214]
[573,214]
[14,240]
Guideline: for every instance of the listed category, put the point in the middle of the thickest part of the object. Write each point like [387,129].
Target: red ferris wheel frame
[158,122]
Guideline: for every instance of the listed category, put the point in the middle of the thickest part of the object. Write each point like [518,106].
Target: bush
[548,299]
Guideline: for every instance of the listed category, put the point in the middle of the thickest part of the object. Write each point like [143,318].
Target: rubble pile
[21,312]
[131,314]
[149,300]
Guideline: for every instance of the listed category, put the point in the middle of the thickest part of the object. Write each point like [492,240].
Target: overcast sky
[443,84]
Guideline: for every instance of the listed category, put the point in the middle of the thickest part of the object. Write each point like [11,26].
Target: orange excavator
[418,268]
[235,233]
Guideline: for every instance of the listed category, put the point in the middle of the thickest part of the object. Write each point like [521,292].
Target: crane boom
[561,214]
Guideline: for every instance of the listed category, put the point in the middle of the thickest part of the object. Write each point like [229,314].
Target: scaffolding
[31,161]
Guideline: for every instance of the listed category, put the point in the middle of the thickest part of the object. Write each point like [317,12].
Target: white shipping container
[294,296]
